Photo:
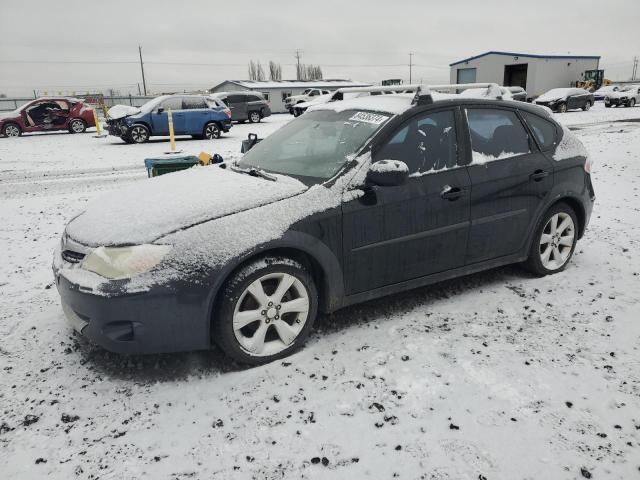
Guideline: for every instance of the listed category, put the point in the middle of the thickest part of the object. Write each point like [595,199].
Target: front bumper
[117,128]
[615,101]
[161,320]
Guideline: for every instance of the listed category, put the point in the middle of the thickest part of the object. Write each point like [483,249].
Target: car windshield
[627,88]
[315,145]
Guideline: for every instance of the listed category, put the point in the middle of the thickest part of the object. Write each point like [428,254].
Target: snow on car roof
[395,104]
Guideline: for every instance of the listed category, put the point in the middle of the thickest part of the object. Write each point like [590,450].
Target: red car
[47,114]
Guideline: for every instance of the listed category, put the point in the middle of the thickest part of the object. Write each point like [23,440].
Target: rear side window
[426,143]
[193,103]
[496,134]
[173,103]
[543,130]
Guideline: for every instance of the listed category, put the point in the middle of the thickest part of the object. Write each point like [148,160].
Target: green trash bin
[161,165]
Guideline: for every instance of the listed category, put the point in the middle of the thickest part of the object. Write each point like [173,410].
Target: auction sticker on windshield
[368,117]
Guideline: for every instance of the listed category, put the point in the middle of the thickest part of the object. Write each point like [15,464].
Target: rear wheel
[11,130]
[139,134]
[562,108]
[587,106]
[211,131]
[554,241]
[266,311]
[632,102]
[77,125]
[254,117]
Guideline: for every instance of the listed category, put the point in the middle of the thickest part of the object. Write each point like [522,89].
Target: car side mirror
[160,110]
[388,173]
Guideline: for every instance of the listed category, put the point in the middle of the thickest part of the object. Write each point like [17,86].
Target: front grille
[72,257]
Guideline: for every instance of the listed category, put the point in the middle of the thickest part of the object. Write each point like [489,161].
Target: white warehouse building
[535,73]
[276,91]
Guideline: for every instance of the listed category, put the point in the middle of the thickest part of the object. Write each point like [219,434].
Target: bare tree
[275,71]
[259,72]
[252,70]
[309,72]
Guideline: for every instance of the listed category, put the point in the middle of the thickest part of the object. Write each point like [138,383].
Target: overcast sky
[47,45]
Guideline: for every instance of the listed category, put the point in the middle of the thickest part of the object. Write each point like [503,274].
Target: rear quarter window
[544,130]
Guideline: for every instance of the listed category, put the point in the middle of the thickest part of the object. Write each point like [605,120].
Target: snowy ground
[494,376]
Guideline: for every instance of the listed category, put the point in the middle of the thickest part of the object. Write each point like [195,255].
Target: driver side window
[427,143]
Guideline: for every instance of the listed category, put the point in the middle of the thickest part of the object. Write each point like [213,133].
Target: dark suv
[250,106]
[351,201]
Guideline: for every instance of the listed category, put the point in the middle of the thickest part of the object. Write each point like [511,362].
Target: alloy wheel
[254,117]
[562,108]
[212,131]
[77,126]
[138,134]
[12,131]
[556,241]
[270,314]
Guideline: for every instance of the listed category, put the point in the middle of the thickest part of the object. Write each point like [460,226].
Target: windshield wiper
[254,172]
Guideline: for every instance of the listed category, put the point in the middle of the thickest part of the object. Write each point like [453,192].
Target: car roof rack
[422,91]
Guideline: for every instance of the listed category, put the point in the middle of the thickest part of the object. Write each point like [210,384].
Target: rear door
[510,180]
[395,234]
[196,113]
[238,106]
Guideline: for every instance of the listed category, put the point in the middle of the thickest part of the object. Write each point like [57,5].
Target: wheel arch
[574,202]
[316,256]
[144,124]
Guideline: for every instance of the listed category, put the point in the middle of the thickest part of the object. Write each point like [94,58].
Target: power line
[410,61]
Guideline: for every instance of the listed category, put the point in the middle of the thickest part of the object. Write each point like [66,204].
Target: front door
[510,180]
[160,117]
[394,234]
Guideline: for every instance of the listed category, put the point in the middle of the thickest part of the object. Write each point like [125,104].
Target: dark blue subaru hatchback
[195,115]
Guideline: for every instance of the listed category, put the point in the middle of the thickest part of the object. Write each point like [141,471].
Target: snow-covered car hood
[121,111]
[148,210]
[317,101]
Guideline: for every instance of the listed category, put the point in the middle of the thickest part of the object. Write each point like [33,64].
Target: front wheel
[139,134]
[77,125]
[587,106]
[254,117]
[266,311]
[562,108]
[11,130]
[554,241]
[211,131]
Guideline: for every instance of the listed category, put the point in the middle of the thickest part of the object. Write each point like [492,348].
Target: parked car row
[627,96]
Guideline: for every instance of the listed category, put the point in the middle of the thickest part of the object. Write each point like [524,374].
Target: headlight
[124,262]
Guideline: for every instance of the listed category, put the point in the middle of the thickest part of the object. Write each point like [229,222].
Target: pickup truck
[307,95]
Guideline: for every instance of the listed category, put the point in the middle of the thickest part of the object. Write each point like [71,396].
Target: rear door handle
[539,175]
[451,193]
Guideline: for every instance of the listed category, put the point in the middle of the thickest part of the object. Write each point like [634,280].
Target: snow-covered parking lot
[498,375]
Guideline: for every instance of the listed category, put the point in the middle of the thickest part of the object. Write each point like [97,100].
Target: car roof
[398,104]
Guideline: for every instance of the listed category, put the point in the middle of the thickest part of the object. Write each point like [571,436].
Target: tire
[77,125]
[586,107]
[139,134]
[211,130]
[11,130]
[126,139]
[296,112]
[562,108]
[254,117]
[607,105]
[546,237]
[264,277]
[632,102]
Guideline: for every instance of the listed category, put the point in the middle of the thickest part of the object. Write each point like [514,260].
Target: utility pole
[410,65]
[635,68]
[298,55]
[144,82]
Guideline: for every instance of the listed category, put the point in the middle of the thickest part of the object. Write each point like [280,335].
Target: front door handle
[539,175]
[451,193]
